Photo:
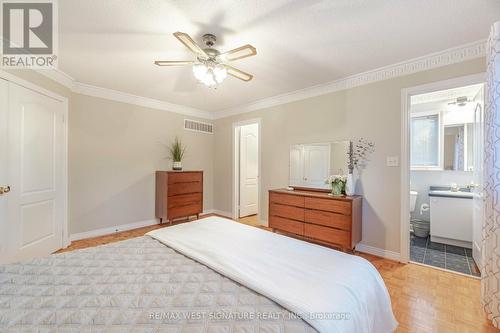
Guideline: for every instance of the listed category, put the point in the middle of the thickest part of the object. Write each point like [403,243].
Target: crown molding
[58,76]
[450,56]
[118,96]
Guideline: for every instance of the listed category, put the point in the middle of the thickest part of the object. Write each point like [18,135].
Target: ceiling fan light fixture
[211,67]
[209,74]
[220,73]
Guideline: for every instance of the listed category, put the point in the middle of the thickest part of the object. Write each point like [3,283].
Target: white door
[478,206]
[35,161]
[249,169]
[316,164]
[4,106]
[296,165]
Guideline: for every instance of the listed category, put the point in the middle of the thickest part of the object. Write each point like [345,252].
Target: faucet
[472,185]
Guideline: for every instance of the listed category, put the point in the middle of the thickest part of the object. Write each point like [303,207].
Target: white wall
[421,180]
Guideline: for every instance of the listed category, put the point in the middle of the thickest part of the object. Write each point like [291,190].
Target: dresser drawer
[291,212]
[330,235]
[331,205]
[184,211]
[287,225]
[184,200]
[328,219]
[286,199]
[183,188]
[184,177]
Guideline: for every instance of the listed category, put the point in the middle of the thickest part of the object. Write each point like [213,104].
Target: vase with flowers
[337,182]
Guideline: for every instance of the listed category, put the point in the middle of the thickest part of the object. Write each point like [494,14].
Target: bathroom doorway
[246,171]
[441,174]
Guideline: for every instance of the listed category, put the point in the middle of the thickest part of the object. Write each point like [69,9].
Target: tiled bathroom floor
[454,258]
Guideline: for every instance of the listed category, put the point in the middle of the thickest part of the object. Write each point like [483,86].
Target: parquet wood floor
[424,299]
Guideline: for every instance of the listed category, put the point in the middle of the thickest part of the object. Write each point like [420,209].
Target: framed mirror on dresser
[306,209]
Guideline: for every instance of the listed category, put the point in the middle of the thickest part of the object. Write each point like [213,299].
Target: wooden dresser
[178,194]
[316,216]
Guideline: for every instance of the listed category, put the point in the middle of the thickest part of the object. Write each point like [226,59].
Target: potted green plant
[177,151]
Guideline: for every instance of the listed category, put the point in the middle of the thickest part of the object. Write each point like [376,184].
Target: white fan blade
[173,63]
[239,53]
[185,39]
[238,74]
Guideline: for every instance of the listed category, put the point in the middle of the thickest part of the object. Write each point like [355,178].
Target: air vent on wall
[197,126]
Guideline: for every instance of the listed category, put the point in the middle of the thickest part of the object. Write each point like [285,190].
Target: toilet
[413,200]
[419,228]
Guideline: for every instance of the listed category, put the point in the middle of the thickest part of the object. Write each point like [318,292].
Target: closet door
[4,107]
[35,204]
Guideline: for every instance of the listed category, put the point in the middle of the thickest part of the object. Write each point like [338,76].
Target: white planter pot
[349,185]
[177,166]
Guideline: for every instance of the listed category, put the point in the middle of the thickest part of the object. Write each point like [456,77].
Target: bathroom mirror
[312,163]
[442,134]
[458,147]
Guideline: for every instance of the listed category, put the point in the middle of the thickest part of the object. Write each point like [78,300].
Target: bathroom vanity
[451,216]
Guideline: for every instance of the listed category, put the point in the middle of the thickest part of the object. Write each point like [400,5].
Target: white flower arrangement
[337,182]
[359,154]
[335,179]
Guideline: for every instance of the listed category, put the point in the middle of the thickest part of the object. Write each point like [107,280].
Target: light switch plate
[392,161]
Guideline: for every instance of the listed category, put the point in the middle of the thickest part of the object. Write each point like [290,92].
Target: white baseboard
[124,227]
[378,252]
[449,241]
[111,230]
[223,213]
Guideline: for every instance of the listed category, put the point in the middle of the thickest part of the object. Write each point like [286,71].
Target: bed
[211,275]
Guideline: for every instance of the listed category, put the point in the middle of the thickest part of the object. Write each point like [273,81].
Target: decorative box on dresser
[317,216]
[178,194]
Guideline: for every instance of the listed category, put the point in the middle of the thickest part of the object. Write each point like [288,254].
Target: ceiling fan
[210,66]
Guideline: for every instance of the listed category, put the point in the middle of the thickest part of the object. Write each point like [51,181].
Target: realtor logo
[29,34]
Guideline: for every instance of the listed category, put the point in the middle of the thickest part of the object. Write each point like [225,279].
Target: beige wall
[114,150]
[371,111]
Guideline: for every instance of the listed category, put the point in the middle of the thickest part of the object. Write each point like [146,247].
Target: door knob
[4,189]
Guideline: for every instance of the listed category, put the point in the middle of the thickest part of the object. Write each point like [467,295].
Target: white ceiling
[113,43]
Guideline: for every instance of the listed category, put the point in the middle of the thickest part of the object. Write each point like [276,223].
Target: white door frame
[405,147]
[28,85]
[235,167]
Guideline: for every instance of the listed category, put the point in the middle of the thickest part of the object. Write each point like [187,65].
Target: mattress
[136,285]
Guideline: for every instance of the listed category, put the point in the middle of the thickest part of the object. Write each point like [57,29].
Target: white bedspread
[316,282]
